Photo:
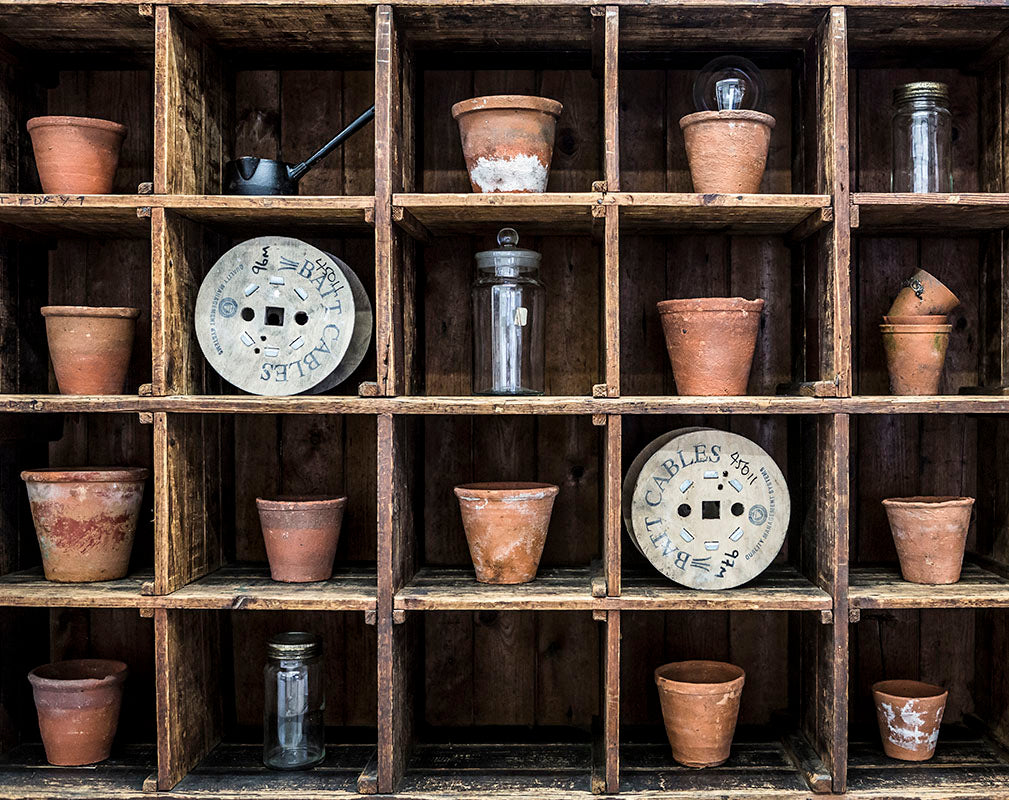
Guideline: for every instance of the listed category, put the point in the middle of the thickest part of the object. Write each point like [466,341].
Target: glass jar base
[294,759]
[516,393]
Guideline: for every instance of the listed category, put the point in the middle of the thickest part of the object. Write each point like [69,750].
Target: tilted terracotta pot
[76,155]
[508,141]
[301,534]
[930,534]
[710,341]
[700,705]
[909,714]
[78,705]
[85,520]
[923,294]
[506,527]
[727,150]
[915,355]
[90,347]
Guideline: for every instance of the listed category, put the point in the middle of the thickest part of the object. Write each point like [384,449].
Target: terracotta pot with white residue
[909,715]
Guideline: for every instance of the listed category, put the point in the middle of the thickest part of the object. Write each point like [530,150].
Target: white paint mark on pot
[520,173]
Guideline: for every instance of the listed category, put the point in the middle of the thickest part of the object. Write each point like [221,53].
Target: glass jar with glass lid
[922,138]
[293,730]
[508,320]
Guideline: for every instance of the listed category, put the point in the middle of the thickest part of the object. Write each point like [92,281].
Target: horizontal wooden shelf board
[60,215]
[56,403]
[725,213]
[90,27]
[242,215]
[926,404]
[547,213]
[26,775]
[917,214]
[883,587]
[456,589]
[29,588]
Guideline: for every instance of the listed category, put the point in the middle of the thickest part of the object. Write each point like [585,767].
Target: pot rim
[886,327]
[294,502]
[115,672]
[925,691]
[506,491]
[710,304]
[926,501]
[82,122]
[915,319]
[733,674]
[86,475]
[118,312]
[738,115]
[514,102]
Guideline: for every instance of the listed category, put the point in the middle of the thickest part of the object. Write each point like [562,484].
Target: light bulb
[729,83]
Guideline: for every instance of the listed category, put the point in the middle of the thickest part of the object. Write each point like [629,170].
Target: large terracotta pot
[301,534]
[922,294]
[930,534]
[909,715]
[700,705]
[710,341]
[85,520]
[76,155]
[506,528]
[727,150]
[90,347]
[78,706]
[915,355]
[508,141]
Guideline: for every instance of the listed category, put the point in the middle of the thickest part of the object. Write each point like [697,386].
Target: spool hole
[683,510]
[248,314]
[301,318]
[737,509]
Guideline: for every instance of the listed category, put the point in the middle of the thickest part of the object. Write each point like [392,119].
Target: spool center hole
[710,509]
[274,316]
[301,317]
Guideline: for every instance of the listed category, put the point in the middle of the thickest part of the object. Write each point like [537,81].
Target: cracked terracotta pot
[727,150]
[921,295]
[930,534]
[508,141]
[915,355]
[301,534]
[90,347]
[76,155]
[700,704]
[85,520]
[78,706]
[506,527]
[909,715]
[710,341]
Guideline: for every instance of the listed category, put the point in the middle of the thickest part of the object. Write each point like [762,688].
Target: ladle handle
[300,169]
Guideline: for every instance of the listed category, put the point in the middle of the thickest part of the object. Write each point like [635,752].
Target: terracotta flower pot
[508,141]
[301,534]
[911,319]
[700,704]
[85,520]
[914,356]
[78,705]
[930,534]
[506,528]
[76,155]
[90,347]
[923,294]
[727,150]
[710,341]
[909,714]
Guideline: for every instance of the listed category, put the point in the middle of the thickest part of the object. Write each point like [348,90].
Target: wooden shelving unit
[439,687]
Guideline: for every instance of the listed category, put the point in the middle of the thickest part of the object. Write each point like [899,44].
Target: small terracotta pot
[301,534]
[506,527]
[90,347]
[76,155]
[710,341]
[930,534]
[914,356]
[923,294]
[727,150]
[700,704]
[924,319]
[909,714]
[508,141]
[78,705]
[85,520]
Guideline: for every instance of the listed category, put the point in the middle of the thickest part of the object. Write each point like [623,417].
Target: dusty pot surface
[508,141]
[85,520]
[911,319]
[914,356]
[90,347]
[301,534]
[76,155]
[923,294]
[909,714]
[78,705]
[930,534]
[700,704]
[710,341]
[506,528]
[727,150]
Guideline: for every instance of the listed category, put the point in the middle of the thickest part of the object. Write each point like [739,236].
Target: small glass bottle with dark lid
[293,730]
[922,138]
[508,320]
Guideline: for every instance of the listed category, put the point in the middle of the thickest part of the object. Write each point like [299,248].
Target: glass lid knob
[508,237]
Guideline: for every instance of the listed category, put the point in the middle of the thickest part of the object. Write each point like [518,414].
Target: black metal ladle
[251,175]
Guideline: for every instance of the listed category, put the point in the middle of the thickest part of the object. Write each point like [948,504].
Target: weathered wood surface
[455,589]
[30,588]
[932,213]
[883,587]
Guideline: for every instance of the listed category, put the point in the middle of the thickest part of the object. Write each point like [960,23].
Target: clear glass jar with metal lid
[508,320]
[922,138]
[293,729]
